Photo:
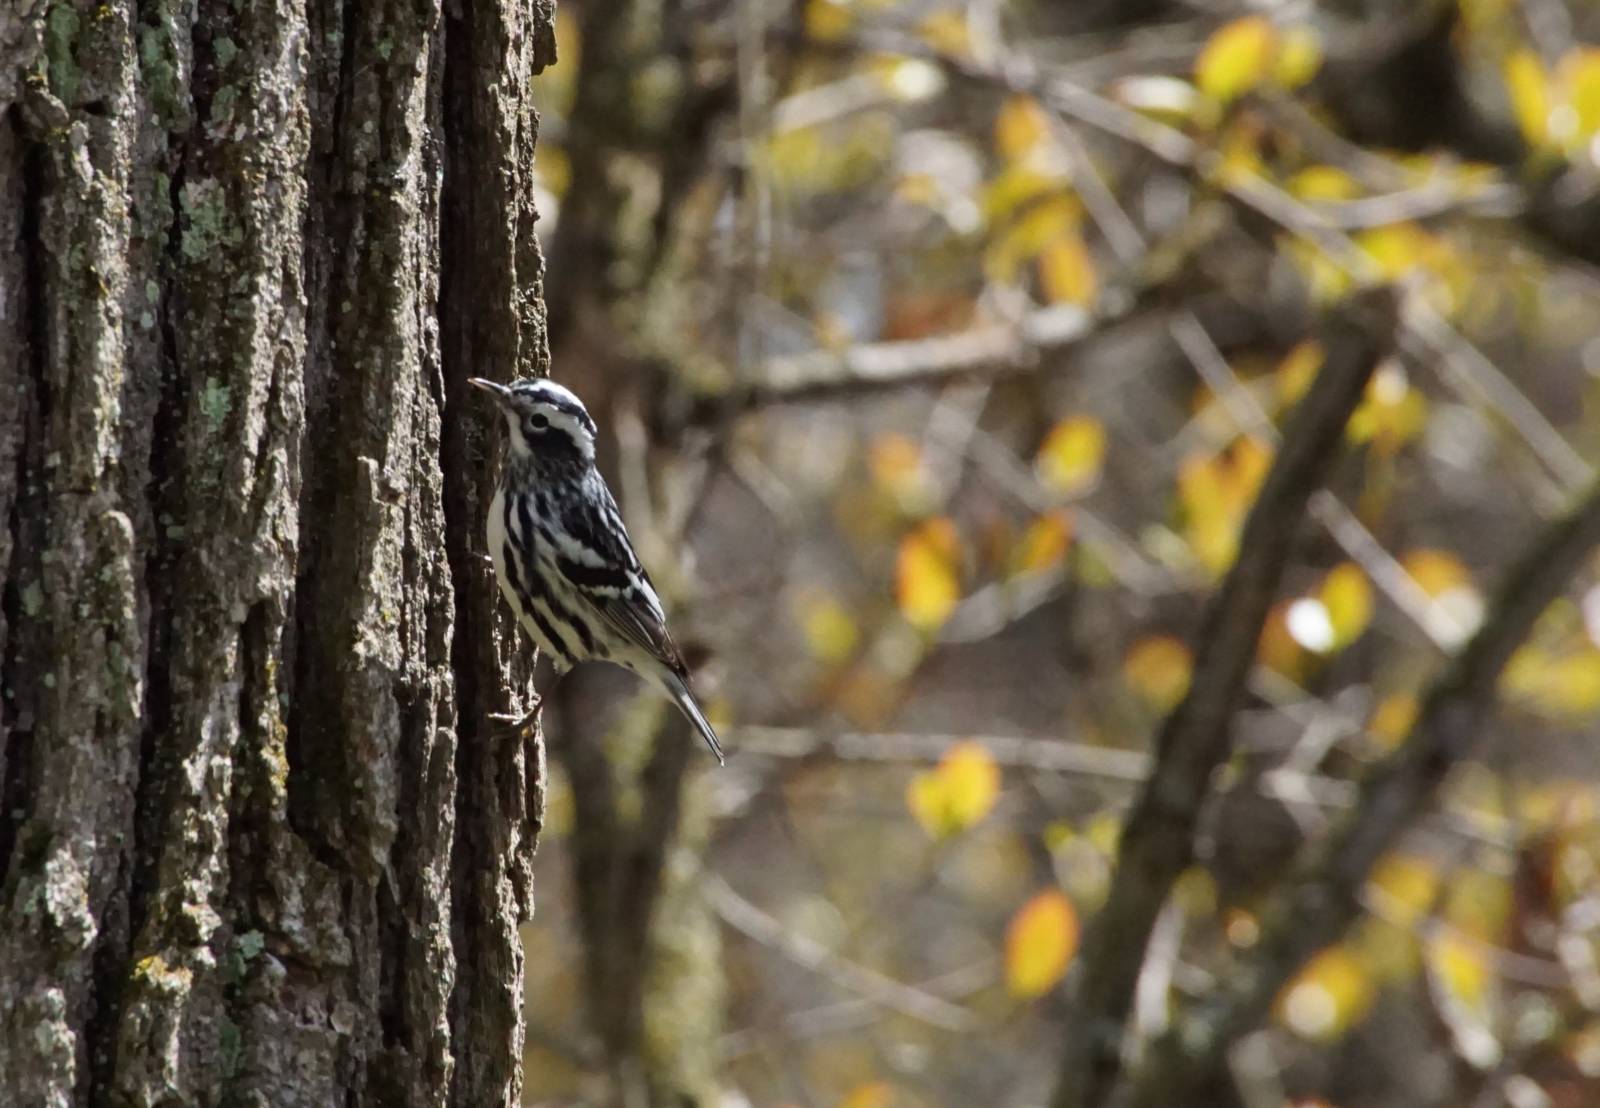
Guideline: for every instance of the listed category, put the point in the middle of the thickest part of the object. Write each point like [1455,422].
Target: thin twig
[1047,755]
[751,921]
[992,349]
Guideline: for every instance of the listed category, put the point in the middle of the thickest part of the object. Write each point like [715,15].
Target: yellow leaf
[972,781]
[1560,683]
[1529,90]
[1391,413]
[1020,126]
[1574,683]
[1066,272]
[1196,893]
[1105,832]
[1580,72]
[1044,544]
[1297,370]
[1327,997]
[1392,719]
[873,1094]
[1240,148]
[947,33]
[1235,59]
[1040,942]
[1016,185]
[830,629]
[1069,459]
[927,584]
[1389,950]
[1327,280]
[1040,225]
[1404,888]
[1401,248]
[1347,597]
[1158,669]
[957,793]
[1461,967]
[828,20]
[1215,492]
[1299,57]
[1324,182]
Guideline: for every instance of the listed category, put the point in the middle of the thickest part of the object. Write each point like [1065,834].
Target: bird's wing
[599,563]
[636,619]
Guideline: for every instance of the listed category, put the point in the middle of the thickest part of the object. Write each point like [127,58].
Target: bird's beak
[498,391]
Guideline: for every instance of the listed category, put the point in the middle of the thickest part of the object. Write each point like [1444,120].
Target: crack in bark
[25,519]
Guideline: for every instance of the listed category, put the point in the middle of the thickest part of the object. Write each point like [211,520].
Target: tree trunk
[258,846]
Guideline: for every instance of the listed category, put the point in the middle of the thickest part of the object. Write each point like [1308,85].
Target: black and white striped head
[547,423]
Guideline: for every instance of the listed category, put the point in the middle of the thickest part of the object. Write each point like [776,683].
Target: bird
[562,556]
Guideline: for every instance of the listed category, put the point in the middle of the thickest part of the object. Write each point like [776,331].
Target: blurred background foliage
[941,349]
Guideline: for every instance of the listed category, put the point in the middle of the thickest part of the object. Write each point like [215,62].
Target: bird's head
[547,423]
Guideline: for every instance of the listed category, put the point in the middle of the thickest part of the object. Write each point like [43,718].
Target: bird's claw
[514,725]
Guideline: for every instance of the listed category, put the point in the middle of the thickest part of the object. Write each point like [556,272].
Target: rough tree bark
[257,845]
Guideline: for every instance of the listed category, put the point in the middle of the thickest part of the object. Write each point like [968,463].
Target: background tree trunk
[257,845]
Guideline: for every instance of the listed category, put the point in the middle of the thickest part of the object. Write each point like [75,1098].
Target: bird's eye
[539,422]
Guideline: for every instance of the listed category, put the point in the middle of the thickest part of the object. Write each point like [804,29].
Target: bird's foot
[515,726]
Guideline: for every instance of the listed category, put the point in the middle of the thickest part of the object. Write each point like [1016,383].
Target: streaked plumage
[561,552]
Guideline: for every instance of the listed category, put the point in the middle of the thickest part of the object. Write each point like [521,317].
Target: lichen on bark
[253,832]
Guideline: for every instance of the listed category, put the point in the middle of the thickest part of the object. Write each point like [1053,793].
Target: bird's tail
[678,689]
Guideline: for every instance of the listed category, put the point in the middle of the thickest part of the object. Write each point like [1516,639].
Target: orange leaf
[1040,942]
[828,20]
[1044,544]
[1437,571]
[872,1094]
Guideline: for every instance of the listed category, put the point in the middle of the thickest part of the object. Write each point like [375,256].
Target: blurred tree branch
[1372,96]
[1158,842]
[1327,898]
[1560,210]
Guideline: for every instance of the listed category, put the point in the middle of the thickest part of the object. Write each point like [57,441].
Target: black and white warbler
[562,555]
